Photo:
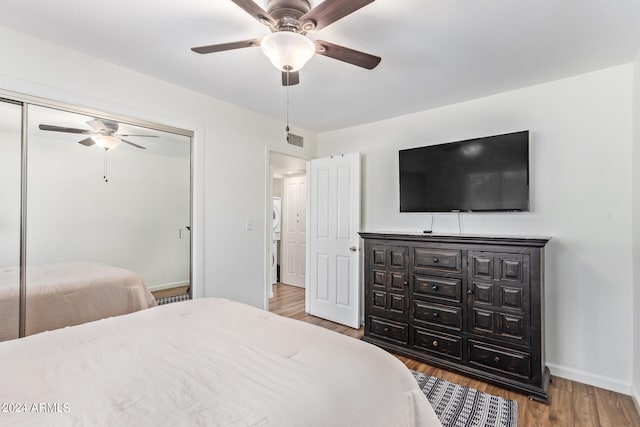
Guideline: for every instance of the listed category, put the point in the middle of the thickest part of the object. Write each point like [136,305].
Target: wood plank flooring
[171,292]
[572,403]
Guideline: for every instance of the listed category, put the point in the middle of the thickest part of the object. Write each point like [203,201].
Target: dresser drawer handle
[496,359]
[435,259]
[434,287]
[435,314]
[386,329]
[435,343]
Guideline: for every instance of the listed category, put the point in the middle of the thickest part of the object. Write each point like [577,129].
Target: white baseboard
[590,379]
[164,286]
[291,284]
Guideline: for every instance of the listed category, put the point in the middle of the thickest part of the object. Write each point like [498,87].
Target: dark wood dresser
[471,304]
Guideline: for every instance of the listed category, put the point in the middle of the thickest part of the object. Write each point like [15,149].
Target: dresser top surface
[457,238]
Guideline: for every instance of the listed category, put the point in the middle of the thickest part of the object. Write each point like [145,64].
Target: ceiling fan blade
[220,47]
[138,136]
[88,142]
[292,79]
[64,129]
[256,11]
[330,11]
[131,143]
[345,54]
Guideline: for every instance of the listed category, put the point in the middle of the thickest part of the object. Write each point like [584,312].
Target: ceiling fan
[288,46]
[103,133]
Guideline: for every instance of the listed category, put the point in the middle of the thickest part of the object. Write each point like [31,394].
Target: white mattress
[68,294]
[209,362]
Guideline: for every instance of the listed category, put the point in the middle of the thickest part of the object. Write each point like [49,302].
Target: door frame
[268,208]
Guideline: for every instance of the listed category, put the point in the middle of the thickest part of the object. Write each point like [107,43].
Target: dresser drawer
[500,359]
[440,315]
[387,329]
[448,345]
[446,289]
[437,259]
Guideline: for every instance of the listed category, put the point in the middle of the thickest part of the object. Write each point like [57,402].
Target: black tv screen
[482,174]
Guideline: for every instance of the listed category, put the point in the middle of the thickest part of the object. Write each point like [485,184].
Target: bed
[67,294]
[207,362]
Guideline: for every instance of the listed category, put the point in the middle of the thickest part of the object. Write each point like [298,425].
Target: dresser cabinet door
[388,280]
[498,295]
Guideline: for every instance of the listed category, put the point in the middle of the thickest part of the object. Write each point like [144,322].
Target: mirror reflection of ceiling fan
[288,46]
[103,133]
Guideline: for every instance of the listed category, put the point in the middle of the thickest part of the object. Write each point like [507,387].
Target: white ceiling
[435,52]
[283,165]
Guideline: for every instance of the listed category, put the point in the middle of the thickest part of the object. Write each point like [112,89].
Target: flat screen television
[475,175]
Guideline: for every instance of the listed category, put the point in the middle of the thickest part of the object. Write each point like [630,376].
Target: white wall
[230,151]
[580,192]
[636,232]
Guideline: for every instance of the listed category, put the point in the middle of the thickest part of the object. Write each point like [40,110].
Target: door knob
[354,249]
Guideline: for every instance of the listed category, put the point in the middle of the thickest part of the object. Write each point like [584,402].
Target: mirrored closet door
[95,215]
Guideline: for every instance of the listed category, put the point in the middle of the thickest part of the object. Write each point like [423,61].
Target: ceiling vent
[294,139]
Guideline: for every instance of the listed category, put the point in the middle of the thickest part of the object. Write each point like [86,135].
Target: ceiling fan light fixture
[105,141]
[287,51]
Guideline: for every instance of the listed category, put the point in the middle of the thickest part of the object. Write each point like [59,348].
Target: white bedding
[67,294]
[208,362]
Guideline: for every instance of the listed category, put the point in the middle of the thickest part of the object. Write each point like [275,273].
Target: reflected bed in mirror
[68,294]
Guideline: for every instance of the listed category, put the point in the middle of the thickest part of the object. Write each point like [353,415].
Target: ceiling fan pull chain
[287,103]
[105,166]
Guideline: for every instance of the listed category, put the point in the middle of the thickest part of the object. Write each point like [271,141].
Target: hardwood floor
[170,292]
[572,403]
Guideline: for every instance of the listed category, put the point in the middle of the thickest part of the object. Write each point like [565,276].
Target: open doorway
[289,226]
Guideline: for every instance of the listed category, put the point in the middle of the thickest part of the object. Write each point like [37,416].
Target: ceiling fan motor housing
[287,14]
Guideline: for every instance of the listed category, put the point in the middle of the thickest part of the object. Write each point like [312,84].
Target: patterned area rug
[459,406]
[175,298]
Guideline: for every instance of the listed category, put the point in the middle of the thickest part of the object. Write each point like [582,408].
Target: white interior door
[294,231]
[334,221]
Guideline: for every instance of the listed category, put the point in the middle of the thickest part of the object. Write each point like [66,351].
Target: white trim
[164,286]
[590,379]
[268,231]
[307,253]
